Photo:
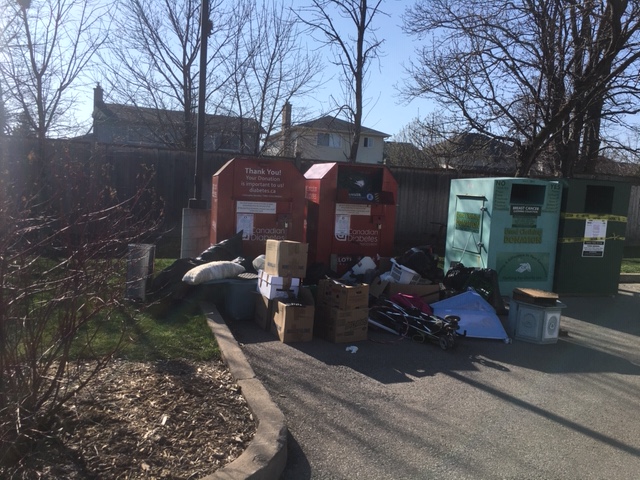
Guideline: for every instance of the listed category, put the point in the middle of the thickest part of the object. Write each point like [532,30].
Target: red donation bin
[263,198]
[351,213]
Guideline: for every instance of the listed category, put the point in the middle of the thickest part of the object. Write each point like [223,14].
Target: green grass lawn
[182,333]
[631,260]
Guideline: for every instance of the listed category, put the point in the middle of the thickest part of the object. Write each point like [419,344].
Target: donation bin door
[468,228]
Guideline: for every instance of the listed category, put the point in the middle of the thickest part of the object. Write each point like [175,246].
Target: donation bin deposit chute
[263,198]
[509,225]
[351,213]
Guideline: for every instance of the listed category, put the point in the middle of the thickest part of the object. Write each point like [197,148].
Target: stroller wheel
[443,342]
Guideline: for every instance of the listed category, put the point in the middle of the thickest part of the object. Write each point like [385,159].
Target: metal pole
[198,202]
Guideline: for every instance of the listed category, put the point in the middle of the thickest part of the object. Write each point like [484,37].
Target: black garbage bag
[483,280]
[423,261]
[457,278]
[168,284]
[226,250]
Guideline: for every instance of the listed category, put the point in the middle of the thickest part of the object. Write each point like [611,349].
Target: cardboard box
[294,323]
[377,287]
[341,319]
[429,293]
[339,295]
[272,286]
[286,258]
[263,311]
[333,335]
[535,297]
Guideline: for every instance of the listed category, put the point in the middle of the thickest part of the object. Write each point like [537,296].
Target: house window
[329,140]
[367,142]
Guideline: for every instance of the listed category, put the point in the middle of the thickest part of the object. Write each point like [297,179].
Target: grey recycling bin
[140,260]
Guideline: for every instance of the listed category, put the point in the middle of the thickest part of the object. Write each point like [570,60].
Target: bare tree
[47,47]
[546,77]
[153,61]
[352,53]
[270,67]
[421,138]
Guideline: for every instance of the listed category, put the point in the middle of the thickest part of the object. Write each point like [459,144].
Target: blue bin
[240,300]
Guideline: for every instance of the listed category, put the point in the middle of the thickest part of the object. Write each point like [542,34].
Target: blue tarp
[477,316]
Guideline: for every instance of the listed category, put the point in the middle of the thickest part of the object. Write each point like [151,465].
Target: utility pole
[205,30]
[195,218]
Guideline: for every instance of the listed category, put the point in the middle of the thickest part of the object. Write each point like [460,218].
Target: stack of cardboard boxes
[284,306]
[342,311]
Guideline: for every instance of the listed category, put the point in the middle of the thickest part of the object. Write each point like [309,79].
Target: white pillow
[212,271]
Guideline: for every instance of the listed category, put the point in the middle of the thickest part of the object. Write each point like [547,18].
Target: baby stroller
[409,316]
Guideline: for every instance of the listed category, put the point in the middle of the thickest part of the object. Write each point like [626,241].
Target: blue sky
[384,110]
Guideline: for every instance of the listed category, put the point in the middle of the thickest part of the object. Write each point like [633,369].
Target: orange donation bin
[263,198]
[351,213]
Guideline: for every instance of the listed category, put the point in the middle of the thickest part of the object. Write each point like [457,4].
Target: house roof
[335,124]
[143,115]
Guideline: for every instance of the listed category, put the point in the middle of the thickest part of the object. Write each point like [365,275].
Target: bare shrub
[62,278]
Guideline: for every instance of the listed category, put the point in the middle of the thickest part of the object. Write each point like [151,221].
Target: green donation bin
[591,234]
[509,225]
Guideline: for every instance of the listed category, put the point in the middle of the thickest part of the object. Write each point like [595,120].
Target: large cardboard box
[428,293]
[294,323]
[272,286]
[340,335]
[263,314]
[286,258]
[339,295]
[337,326]
[344,319]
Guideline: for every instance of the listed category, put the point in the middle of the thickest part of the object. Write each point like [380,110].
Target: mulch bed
[173,419]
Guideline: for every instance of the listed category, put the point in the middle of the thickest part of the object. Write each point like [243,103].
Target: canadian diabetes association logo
[362,237]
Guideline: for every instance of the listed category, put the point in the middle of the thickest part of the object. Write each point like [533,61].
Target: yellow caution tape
[593,216]
[591,239]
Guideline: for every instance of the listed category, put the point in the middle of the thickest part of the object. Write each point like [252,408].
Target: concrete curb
[630,278]
[266,456]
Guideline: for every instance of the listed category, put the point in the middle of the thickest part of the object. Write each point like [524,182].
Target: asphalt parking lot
[397,409]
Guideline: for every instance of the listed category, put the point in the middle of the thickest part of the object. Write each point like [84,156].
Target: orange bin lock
[351,213]
[263,198]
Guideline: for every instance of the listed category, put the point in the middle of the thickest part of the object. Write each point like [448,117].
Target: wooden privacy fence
[422,204]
